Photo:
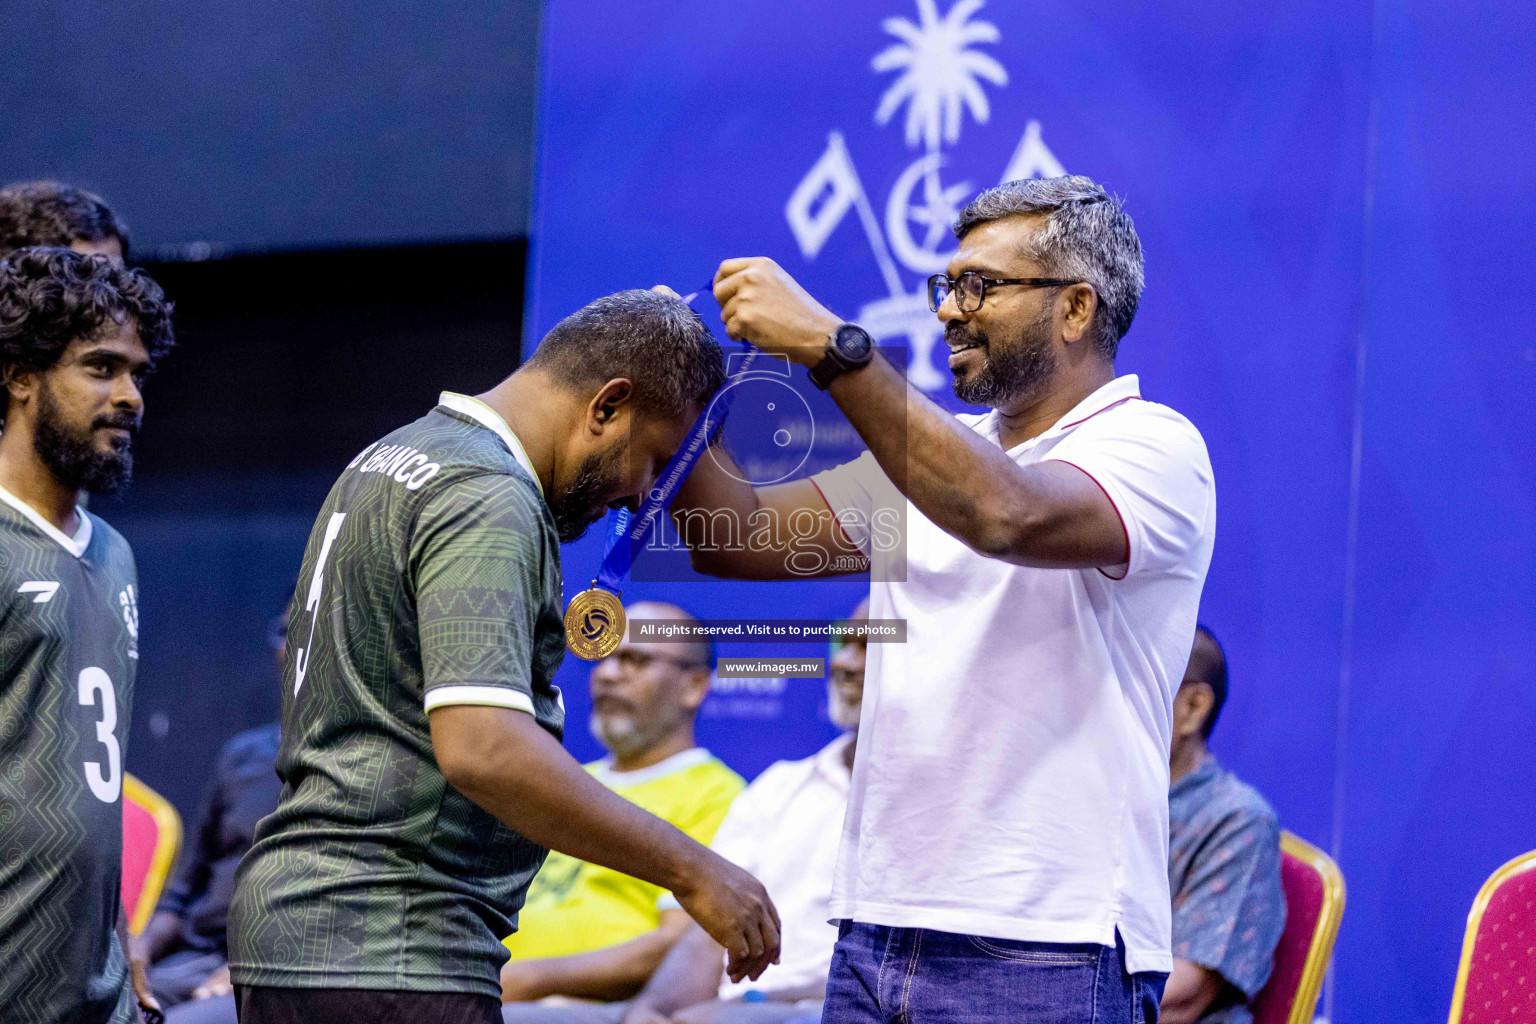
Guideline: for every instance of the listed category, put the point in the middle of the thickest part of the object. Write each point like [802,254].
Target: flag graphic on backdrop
[942,74]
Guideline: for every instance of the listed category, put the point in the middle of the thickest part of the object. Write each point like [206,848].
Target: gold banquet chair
[151,840]
[1496,980]
[1314,905]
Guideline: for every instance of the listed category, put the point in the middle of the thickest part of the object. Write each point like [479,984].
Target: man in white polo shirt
[1005,852]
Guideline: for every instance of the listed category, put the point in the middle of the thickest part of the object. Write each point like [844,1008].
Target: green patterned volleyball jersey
[431,578]
[69,624]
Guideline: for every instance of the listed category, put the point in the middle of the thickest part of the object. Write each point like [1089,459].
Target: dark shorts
[259,1005]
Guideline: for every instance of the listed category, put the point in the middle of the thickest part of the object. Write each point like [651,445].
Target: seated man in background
[589,932]
[1223,862]
[785,829]
[49,213]
[184,945]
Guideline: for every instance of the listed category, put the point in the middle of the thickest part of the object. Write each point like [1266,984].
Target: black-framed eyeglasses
[630,659]
[970,288]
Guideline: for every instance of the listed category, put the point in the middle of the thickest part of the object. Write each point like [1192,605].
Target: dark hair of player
[52,213]
[1216,678]
[51,297]
[651,339]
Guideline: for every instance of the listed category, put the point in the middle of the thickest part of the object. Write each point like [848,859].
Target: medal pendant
[594,624]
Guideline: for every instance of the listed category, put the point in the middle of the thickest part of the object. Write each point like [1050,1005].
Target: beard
[73,457]
[621,734]
[586,500]
[1008,373]
[842,709]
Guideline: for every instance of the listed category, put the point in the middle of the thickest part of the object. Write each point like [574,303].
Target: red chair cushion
[1304,892]
[140,833]
[1501,979]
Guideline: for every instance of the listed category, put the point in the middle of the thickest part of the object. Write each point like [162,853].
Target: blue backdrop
[1335,201]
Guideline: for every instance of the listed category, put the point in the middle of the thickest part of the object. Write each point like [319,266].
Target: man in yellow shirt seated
[589,932]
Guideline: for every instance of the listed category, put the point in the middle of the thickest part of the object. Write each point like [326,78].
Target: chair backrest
[1497,977]
[151,840]
[1314,905]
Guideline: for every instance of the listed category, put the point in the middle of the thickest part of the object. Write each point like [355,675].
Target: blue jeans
[886,975]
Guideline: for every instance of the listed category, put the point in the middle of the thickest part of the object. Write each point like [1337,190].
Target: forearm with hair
[767,524]
[969,487]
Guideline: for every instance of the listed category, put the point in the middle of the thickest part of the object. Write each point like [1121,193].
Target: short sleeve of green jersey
[478,555]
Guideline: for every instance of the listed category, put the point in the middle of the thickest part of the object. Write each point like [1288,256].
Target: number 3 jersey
[432,578]
[68,653]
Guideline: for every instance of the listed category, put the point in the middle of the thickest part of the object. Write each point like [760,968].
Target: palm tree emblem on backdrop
[940,81]
[942,78]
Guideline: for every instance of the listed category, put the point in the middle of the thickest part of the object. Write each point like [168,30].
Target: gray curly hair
[1087,235]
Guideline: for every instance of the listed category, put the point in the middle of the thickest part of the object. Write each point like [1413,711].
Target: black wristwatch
[849,348]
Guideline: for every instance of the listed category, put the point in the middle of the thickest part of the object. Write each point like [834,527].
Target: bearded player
[77,336]
[423,774]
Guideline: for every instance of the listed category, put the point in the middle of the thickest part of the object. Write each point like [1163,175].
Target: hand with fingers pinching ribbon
[760,303]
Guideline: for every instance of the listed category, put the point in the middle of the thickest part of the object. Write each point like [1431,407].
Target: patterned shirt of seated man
[1223,865]
[590,932]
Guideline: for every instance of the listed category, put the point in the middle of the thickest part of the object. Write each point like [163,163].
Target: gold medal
[594,624]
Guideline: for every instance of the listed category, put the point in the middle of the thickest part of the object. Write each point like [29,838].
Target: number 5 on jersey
[301,660]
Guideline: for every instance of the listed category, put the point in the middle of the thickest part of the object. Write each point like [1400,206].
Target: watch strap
[831,367]
[834,364]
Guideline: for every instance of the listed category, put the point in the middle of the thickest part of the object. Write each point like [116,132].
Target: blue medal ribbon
[628,532]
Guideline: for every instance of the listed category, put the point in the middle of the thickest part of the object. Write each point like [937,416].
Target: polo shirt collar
[1122,389]
[487,417]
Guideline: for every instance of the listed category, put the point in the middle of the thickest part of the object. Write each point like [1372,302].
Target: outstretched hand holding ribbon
[594,620]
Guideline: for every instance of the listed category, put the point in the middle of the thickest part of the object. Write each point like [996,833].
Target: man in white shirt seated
[784,829]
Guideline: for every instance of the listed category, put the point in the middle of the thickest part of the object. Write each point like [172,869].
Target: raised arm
[1047,514]
[503,761]
[781,532]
